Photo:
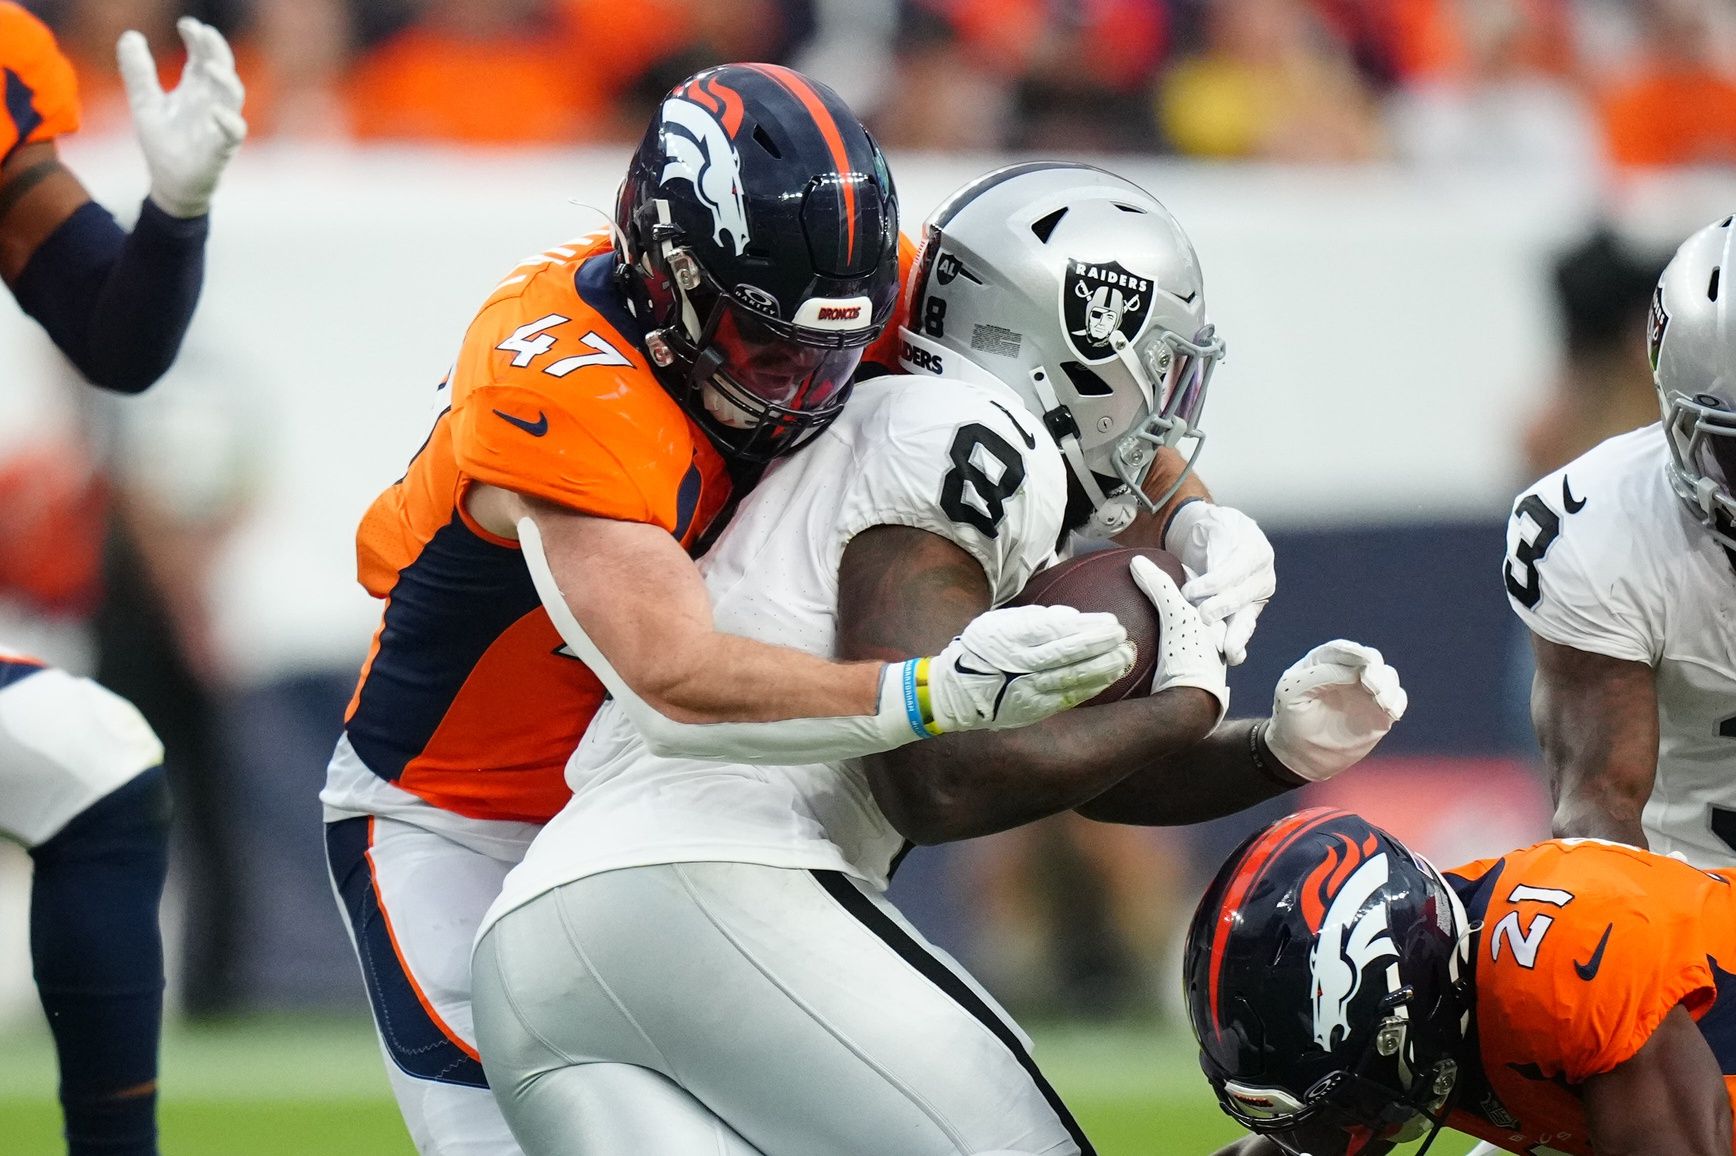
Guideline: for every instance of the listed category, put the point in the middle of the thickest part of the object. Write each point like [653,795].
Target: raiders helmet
[1328,982]
[757,232]
[1077,289]
[1692,342]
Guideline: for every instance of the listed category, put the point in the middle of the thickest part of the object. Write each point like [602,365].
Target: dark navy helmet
[1328,985]
[758,235]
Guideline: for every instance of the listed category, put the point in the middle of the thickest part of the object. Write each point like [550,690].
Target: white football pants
[730,1009]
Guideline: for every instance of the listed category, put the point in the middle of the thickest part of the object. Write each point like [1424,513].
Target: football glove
[1332,707]
[187,135]
[1188,648]
[1012,667]
[1234,564]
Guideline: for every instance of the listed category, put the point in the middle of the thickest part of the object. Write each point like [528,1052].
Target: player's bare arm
[1597,721]
[1668,1100]
[37,195]
[902,591]
[1229,771]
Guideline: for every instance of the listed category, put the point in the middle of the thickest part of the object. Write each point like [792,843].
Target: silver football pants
[730,1009]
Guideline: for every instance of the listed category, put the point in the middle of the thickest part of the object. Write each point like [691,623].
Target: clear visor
[769,374]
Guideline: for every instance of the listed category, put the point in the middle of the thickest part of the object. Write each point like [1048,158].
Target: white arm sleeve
[785,741]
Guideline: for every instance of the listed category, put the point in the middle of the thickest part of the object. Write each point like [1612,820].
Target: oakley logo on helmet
[757,299]
[1353,937]
[699,150]
[1099,299]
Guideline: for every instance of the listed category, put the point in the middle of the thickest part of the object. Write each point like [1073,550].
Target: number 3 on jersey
[986,471]
[531,340]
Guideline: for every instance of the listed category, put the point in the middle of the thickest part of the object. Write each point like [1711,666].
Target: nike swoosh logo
[1573,504]
[535,429]
[1030,442]
[1588,970]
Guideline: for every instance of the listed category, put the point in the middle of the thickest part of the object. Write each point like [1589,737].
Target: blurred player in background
[608,401]
[730,977]
[1621,564]
[1567,997]
[81,785]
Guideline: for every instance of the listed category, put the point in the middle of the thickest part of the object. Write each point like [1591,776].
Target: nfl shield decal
[1098,299]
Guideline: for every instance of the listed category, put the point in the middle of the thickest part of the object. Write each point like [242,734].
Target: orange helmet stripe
[798,86]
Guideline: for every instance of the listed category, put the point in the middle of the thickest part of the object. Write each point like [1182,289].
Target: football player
[1567,997]
[697,957]
[1621,566]
[81,782]
[608,401]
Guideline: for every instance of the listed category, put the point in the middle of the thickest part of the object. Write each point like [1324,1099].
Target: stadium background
[1429,230]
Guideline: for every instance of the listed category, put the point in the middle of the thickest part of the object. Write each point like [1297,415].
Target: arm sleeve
[117,304]
[1576,578]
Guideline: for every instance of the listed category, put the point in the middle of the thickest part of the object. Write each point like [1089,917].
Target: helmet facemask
[759,386]
[1701,433]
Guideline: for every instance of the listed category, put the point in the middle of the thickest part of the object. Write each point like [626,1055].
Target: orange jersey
[1584,947]
[41,92]
[468,698]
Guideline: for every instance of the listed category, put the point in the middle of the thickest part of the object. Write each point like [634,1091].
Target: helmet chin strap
[1109,515]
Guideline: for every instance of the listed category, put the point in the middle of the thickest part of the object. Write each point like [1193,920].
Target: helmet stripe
[797,85]
[1255,860]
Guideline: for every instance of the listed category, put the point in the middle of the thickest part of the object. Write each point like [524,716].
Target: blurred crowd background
[1432,263]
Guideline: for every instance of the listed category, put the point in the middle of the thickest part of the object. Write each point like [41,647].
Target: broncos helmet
[757,232]
[1692,342]
[1328,980]
[1078,289]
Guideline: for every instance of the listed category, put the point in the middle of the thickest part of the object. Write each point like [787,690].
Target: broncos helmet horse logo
[1353,937]
[699,150]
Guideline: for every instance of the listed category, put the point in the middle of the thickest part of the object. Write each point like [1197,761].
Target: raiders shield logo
[1099,299]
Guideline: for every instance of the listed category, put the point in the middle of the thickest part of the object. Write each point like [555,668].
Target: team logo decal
[1099,299]
[697,126]
[1350,941]
[1656,326]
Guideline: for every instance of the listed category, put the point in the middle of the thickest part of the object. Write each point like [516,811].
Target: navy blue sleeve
[117,304]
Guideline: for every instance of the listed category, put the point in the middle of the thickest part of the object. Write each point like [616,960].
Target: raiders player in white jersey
[697,958]
[1621,565]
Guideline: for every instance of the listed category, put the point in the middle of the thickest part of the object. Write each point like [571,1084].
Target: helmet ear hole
[1085,381]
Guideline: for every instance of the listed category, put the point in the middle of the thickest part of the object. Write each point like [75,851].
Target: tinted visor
[774,373]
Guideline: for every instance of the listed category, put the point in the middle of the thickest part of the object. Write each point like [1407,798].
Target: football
[1101,580]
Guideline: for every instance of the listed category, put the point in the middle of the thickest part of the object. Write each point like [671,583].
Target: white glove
[1013,667]
[1190,655]
[188,135]
[1332,707]
[1233,561]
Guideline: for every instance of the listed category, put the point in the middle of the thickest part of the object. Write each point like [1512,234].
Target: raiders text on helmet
[758,238]
[1077,289]
[1692,338]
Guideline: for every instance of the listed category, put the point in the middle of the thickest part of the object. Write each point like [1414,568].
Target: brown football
[1101,580]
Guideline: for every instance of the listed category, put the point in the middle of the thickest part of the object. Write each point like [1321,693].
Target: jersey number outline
[1528,553]
[991,493]
[530,341]
[1525,942]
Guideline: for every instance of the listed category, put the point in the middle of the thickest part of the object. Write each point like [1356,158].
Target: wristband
[918,708]
[1280,774]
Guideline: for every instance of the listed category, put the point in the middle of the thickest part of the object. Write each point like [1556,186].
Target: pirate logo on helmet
[1099,299]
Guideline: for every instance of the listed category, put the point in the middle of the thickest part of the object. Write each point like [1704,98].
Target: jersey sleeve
[1575,572]
[1584,952]
[951,459]
[602,438]
[41,92]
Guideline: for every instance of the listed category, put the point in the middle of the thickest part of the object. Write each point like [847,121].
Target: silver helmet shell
[1692,341]
[1077,289]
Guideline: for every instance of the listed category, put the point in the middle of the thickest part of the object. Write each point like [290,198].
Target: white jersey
[1603,557]
[964,461]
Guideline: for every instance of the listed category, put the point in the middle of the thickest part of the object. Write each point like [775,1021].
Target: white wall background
[1388,332]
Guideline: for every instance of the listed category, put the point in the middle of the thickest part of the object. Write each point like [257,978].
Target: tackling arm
[903,590]
[1597,721]
[1668,1100]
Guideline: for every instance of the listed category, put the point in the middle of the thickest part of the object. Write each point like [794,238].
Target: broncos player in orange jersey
[1568,997]
[608,400]
[81,781]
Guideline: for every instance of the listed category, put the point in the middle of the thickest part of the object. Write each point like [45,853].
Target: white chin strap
[1109,515]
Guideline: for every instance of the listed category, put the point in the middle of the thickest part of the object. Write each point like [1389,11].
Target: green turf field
[315,1087]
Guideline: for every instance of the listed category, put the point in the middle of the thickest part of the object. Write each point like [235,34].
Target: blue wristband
[912,706]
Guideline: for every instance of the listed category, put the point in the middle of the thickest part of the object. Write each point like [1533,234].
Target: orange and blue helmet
[1328,985]
[758,235]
